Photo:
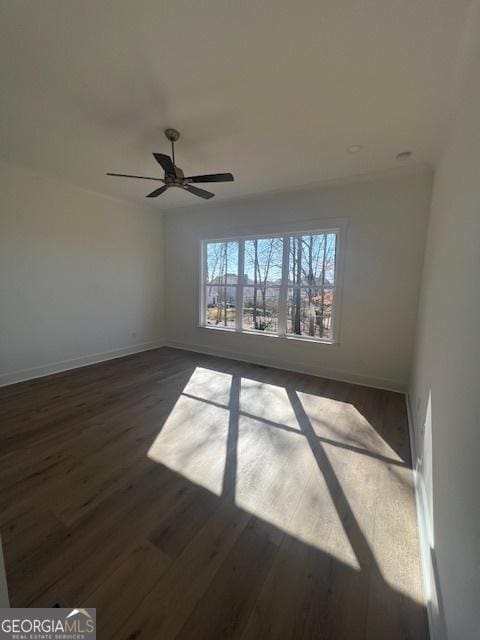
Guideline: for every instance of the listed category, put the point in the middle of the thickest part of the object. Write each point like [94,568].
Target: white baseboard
[431,587]
[280,363]
[74,363]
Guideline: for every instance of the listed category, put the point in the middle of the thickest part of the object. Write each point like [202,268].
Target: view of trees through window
[222,281]
[311,279]
[281,285]
[263,270]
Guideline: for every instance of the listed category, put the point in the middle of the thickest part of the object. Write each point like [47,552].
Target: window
[281,285]
[221,283]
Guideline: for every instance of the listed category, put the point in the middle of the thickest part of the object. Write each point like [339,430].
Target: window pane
[220,306]
[309,312]
[311,260]
[222,262]
[260,308]
[263,261]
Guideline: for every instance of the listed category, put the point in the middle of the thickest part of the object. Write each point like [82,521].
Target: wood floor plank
[96,541]
[190,513]
[38,487]
[23,532]
[164,611]
[396,601]
[189,496]
[316,587]
[233,591]
[137,574]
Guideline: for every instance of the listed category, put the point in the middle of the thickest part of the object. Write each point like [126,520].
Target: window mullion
[332,313]
[240,278]
[283,294]
[203,281]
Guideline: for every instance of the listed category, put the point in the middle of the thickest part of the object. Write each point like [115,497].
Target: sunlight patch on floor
[193,443]
[287,489]
[210,385]
[344,423]
[306,464]
[267,401]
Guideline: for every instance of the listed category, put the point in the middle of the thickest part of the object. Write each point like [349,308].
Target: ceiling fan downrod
[173,135]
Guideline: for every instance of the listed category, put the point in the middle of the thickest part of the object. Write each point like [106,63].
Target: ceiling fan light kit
[174,176]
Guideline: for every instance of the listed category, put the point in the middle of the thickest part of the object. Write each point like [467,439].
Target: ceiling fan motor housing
[177,180]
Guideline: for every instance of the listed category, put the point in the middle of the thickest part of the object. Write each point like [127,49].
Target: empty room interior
[239,314]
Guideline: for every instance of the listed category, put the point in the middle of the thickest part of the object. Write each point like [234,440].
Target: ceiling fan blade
[126,175]
[211,177]
[157,192]
[166,163]
[201,193]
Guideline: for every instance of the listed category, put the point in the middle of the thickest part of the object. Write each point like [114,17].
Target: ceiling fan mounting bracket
[172,134]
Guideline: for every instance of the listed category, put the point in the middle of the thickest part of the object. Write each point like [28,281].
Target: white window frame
[338,229]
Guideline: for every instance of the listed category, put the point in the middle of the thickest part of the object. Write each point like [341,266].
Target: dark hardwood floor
[192,497]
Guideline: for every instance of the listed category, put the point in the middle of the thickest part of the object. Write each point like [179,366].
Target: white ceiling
[273,91]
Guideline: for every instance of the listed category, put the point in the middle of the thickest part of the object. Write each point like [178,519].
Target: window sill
[265,334]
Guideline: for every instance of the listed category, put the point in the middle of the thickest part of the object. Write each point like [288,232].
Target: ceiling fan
[174,176]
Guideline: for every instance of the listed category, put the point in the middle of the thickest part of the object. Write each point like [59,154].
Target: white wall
[80,276]
[447,369]
[386,222]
